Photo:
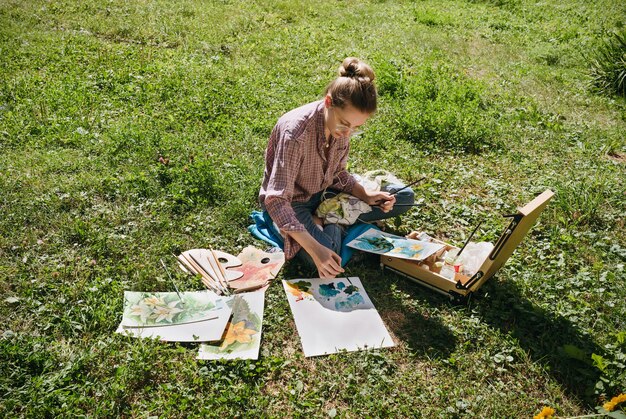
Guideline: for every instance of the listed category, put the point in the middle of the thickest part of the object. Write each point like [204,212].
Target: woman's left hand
[383,200]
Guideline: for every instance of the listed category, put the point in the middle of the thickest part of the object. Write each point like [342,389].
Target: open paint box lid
[513,234]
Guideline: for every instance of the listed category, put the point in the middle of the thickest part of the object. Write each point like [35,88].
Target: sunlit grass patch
[131,131]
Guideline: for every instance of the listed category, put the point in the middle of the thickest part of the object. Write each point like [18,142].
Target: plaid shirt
[298,164]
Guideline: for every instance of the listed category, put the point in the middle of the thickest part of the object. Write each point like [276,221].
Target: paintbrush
[467,241]
[202,270]
[220,271]
[206,279]
[250,288]
[401,189]
[173,283]
[410,184]
[221,268]
[409,205]
[345,270]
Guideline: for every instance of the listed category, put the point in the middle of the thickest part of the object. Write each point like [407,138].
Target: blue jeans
[331,235]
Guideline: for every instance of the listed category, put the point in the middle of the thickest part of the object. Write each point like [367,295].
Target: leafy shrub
[389,78]
[608,65]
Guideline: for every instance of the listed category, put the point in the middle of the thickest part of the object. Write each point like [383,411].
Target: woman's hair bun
[354,86]
[356,69]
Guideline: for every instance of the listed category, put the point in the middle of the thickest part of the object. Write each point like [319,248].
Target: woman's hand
[384,200]
[328,263]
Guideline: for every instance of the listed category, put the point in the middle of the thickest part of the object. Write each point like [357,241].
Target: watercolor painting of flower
[237,333]
[142,311]
[166,308]
[379,242]
[153,301]
[242,338]
[166,312]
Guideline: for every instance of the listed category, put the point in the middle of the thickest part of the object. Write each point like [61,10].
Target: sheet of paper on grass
[242,338]
[335,314]
[376,241]
[201,318]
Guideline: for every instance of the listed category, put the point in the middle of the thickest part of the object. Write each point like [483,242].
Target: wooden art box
[462,286]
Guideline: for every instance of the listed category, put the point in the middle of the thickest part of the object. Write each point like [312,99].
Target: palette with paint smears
[224,273]
[330,315]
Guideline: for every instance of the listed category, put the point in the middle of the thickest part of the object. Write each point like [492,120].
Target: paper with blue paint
[335,314]
[379,242]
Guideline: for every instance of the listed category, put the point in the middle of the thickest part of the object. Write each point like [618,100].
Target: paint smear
[349,303]
[328,290]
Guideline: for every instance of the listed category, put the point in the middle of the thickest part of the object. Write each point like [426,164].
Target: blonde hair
[354,86]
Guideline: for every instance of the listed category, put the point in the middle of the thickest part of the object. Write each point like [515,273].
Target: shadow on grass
[550,340]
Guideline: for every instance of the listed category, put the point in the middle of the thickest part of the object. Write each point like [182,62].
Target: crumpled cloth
[263,228]
[345,209]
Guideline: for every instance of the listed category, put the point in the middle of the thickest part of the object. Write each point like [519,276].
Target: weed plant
[608,65]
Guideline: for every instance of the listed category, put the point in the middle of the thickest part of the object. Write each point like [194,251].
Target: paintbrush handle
[408,205]
[172,281]
[250,288]
[409,185]
[208,274]
[218,270]
[220,267]
[400,190]
[467,241]
[208,281]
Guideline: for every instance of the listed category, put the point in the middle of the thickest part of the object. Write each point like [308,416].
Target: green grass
[490,99]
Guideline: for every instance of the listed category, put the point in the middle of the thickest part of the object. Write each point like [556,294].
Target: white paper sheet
[335,314]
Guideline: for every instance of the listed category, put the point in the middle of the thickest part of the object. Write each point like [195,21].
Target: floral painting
[242,338]
[143,309]
[194,316]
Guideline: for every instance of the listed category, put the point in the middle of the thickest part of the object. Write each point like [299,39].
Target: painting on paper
[376,241]
[330,315]
[242,337]
[143,309]
[193,317]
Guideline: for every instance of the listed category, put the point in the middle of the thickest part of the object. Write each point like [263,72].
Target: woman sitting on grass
[307,154]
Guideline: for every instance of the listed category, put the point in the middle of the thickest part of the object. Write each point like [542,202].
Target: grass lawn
[490,99]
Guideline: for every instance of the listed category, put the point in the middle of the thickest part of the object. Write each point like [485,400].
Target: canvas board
[200,316]
[379,242]
[335,314]
[242,338]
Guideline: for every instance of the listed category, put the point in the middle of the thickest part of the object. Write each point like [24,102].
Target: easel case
[462,286]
